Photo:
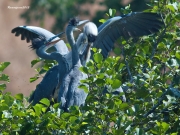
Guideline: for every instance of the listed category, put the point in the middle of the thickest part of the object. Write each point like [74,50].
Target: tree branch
[127,65]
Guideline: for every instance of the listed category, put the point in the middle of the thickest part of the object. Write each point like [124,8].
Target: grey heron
[134,24]
[41,39]
[131,25]
[69,93]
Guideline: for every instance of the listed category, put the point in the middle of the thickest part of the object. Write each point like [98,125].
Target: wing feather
[131,25]
[25,33]
[29,33]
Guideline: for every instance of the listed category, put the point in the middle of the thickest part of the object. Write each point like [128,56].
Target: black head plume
[74,21]
[37,43]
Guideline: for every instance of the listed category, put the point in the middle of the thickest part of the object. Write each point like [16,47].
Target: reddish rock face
[13,50]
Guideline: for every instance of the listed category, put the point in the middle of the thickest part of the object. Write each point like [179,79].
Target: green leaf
[165,126]
[37,109]
[124,106]
[110,12]
[32,79]
[45,101]
[100,81]
[84,87]
[171,7]
[84,123]
[72,119]
[4,77]
[102,20]
[42,71]
[44,109]
[111,111]
[19,96]
[174,133]
[121,66]
[4,107]
[56,106]
[33,62]
[146,75]
[94,50]
[142,93]
[3,65]
[116,84]
[177,54]
[178,17]
[98,57]
[65,115]
[117,50]
[113,12]
[84,70]
[2,86]
[161,45]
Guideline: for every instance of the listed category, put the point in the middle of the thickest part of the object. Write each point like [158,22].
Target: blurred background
[52,15]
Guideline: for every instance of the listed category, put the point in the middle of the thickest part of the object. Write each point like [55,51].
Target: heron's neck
[87,54]
[74,48]
[41,52]
[70,35]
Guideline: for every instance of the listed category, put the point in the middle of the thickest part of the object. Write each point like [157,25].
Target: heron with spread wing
[42,40]
[131,25]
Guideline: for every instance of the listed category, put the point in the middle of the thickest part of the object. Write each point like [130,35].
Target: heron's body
[50,83]
[69,93]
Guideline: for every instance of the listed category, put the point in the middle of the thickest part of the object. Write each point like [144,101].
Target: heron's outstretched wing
[28,33]
[131,25]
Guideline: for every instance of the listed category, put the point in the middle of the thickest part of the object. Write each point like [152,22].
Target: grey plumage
[51,81]
[133,25]
[69,93]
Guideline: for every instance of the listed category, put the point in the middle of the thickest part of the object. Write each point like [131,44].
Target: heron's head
[91,31]
[37,43]
[89,36]
[41,42]
[76,22]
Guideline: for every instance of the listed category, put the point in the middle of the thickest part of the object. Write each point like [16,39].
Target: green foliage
[148,71]
[45,66]
[3,77]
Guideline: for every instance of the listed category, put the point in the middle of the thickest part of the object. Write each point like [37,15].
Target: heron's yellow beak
[53,42]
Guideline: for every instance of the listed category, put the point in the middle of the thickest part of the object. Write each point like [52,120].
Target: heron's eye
[37,42]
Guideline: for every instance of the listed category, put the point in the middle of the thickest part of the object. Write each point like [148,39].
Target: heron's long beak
[82,22]
[49,41]
[76,29]
[53,42]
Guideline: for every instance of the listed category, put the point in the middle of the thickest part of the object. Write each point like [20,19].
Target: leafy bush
[148,71]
